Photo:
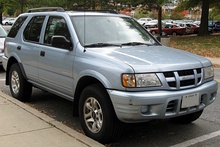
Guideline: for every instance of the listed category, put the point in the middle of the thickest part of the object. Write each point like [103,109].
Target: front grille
[184,78]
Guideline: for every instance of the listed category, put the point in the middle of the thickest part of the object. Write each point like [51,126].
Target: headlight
[140,80]
[209,72]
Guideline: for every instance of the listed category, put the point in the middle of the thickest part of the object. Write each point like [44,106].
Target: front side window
[56,26]
[33,29]
[93,30]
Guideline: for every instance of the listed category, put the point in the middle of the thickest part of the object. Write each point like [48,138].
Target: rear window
[17,25]
[33,29]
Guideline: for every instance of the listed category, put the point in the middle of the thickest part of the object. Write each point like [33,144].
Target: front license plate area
[190,100]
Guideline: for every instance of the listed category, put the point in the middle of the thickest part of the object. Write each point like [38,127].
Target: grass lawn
[207,46]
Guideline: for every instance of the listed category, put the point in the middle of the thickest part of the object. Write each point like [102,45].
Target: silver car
[110,66]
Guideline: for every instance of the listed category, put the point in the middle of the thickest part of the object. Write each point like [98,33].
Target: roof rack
[44,9]
[101,11]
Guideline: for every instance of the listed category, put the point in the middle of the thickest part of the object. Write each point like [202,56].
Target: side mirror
[61,42]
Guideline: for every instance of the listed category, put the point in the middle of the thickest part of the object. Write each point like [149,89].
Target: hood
[154,58]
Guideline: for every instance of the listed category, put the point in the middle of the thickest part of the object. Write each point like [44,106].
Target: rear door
[27,49]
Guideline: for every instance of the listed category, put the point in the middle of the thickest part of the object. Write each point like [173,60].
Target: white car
[3,34]
[189,28]
[8,21]
[143,21]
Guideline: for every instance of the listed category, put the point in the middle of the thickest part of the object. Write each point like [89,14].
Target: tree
[205,4]
[157,4]
[203,30]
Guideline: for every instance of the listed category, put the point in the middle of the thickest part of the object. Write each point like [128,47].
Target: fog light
[144,109]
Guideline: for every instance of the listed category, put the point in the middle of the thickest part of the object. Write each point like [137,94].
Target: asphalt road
[159,133]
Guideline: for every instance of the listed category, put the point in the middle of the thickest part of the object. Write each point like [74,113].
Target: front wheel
[19,87]
[154,33]
[186,119]
[97,116]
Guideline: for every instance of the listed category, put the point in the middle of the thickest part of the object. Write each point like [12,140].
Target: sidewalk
[23,126]
[214,60]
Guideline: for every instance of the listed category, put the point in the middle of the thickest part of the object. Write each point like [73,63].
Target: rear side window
[33,29]
[14,30]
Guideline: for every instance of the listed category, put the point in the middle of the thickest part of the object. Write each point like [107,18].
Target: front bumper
[149,105]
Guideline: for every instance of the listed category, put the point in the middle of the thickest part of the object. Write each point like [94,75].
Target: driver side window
[56,26]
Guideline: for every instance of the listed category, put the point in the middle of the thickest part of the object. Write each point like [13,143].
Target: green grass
[207,46]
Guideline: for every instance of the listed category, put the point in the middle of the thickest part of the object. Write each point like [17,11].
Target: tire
[19,87]
[97,116]
[153,32]
[174,34]
[186,119]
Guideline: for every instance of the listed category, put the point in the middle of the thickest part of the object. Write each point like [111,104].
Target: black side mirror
[61,42]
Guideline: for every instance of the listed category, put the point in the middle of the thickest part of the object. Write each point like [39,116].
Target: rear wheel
[186,119]
[174,34]
[19,87]
[97,116]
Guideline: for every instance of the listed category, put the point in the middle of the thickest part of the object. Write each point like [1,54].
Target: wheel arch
[11,61]
[81,84]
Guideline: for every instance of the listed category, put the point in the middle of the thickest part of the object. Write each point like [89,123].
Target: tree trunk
[22,6]
[159,20]
[1,18]
[203,30]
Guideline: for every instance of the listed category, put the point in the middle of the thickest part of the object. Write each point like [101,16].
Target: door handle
[19,47]
[42,53]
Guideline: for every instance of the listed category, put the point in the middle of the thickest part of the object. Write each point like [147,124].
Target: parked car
[150,26]
[3,34]
[169,29]
[214,25]
[197,22]
[195,28]
[8,21]
[167,21]
[109,66]
[188,26]
[144,21]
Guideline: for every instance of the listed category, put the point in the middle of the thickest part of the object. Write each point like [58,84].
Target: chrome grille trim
[184,79]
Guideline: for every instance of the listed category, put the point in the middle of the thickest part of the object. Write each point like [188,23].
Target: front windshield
[110,30]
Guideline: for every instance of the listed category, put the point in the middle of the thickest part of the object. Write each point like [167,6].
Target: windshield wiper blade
[135,43]
[101,45]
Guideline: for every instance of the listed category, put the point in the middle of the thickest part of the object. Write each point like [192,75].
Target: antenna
[84,27]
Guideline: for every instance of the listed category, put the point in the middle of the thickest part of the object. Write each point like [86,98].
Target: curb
[58,125]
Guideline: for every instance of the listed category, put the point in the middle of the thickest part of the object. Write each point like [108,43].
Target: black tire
[101,123]
[174,34]
[19,87]
[186,119]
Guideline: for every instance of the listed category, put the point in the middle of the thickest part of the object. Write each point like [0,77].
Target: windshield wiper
[135,43]
[101,45]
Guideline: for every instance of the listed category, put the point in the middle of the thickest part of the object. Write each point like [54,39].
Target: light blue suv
[109,66]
